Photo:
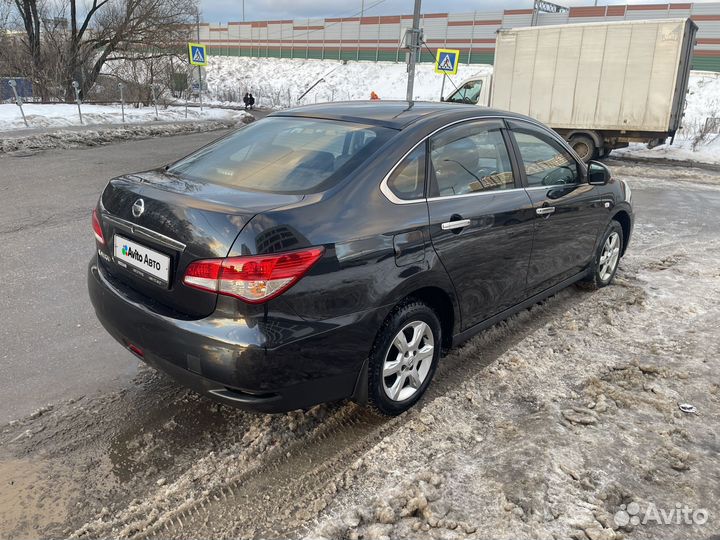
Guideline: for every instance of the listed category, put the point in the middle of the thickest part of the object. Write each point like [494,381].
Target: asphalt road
[51,346]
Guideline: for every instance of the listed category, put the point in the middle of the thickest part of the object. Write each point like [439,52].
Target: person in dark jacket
[251,101]
[246,100]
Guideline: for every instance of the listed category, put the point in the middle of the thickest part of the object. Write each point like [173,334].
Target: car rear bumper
[228,360]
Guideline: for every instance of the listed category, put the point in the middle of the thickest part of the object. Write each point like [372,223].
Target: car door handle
[457,224]
[545,210]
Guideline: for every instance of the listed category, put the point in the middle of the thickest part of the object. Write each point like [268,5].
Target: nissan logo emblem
[138,208]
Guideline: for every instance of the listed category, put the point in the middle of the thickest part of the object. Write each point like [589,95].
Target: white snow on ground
[280,82]
[66,115]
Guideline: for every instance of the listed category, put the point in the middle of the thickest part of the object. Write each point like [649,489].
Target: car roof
[391,114]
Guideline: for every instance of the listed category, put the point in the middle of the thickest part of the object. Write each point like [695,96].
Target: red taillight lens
[254,279]
[97,229]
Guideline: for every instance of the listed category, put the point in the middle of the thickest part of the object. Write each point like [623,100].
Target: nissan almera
[338,251]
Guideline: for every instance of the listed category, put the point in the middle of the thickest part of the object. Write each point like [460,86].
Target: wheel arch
[622,217]
[436,290]
[440,300]
[441,303]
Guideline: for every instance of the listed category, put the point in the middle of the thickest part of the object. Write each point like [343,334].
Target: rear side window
[546,162]
[407,181]
[470,158]
[285,155]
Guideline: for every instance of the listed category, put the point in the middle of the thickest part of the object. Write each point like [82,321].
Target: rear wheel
[607,258]
[404,358]
[584,147]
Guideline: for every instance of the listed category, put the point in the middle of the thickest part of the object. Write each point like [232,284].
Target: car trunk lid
[177,222]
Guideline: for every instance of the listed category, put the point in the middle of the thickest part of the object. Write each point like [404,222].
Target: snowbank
[99,135]
[279,82]
[66,115]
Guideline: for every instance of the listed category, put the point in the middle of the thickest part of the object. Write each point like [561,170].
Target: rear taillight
[97,229]
[254,279]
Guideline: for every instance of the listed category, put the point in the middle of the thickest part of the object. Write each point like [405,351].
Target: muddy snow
[96,136]
[562,422]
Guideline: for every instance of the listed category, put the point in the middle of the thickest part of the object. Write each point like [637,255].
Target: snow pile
[66,115]
[100,135]
[277,82]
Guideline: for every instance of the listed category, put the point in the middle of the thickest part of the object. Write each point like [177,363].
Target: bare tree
[71,40]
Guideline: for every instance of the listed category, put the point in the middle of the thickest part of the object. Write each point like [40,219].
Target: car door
[481,220]
[568,211]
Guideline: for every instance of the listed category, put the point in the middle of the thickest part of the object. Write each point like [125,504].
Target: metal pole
[442,88]
[414,46]
[76,86]
[197,21]
[18,100]
[122,101]
[362,14]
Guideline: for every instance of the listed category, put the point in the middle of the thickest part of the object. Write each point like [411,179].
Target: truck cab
[473,91]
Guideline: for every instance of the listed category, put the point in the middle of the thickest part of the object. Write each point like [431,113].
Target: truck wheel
[584,147]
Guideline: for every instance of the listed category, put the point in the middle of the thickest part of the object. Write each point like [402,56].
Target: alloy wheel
[609,256]
[408,361]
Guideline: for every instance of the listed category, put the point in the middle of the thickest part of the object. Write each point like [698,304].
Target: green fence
[707,63]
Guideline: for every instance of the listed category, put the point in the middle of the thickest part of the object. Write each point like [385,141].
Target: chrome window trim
[534,188]
[389,195]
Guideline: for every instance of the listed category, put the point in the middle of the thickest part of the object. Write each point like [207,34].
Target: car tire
[584,147]
[607,259]
[404,358]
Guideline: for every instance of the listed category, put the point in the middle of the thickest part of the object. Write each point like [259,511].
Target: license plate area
[142,261]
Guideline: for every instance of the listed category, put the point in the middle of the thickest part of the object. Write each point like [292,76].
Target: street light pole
[414,46]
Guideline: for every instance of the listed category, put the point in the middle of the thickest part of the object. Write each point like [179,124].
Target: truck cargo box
[627,76]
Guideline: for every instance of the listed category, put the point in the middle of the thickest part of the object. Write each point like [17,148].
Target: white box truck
[599,85]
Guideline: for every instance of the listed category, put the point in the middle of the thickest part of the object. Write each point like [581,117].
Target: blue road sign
[446,61]
[198,54]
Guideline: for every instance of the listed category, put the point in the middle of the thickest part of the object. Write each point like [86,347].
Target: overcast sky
[231,10]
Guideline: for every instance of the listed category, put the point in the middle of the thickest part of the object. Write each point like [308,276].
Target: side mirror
[598,174]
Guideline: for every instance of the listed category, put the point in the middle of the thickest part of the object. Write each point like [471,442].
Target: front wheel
[607,258]
[404,358]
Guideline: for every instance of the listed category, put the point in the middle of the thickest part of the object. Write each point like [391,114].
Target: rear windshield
[285,155]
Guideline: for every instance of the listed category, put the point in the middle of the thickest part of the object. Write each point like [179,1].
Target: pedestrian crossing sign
[446,61]
[198,54]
